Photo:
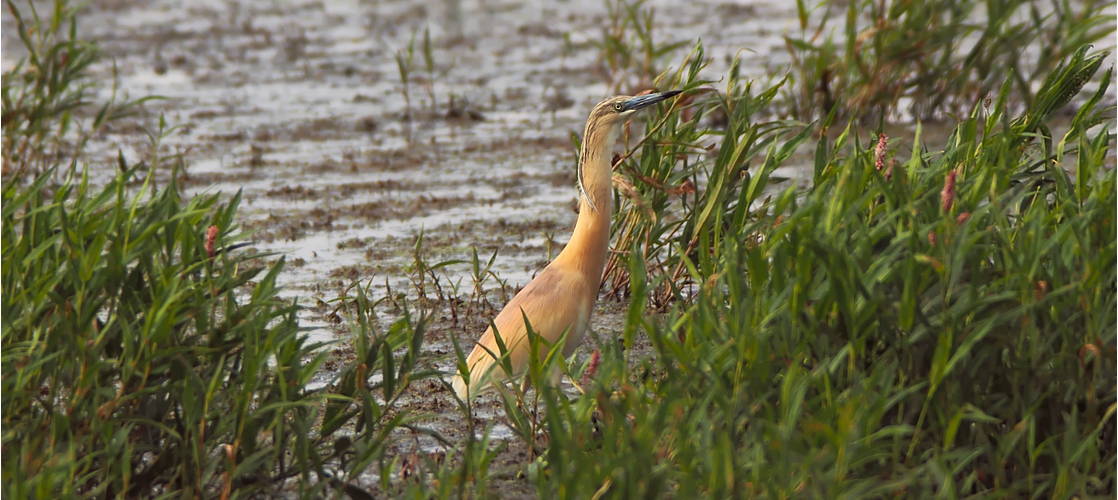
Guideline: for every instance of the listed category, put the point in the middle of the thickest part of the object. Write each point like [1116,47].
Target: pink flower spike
[948,193]
[591,369]
[211,239]
[879,153]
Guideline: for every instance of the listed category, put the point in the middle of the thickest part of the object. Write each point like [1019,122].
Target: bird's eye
[618,106]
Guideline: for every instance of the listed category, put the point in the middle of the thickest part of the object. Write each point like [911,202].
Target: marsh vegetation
[886,268]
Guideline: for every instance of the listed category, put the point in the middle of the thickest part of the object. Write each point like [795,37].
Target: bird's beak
[643,101]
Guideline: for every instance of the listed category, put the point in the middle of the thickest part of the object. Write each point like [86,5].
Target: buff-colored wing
[557,300]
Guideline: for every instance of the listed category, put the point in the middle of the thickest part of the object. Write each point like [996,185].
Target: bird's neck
[589,245]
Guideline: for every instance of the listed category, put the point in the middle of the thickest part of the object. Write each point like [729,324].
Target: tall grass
[629,55]
[919,321]
[663,215]
[42,92]
[130,361]
[937,326]
[143,354]
[933,58]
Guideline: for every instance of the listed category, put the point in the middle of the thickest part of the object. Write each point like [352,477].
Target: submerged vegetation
[919,320]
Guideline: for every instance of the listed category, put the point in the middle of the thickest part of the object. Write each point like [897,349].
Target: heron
[560,299]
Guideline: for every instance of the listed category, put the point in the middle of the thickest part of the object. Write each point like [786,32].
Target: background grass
[869,59]
[922,320]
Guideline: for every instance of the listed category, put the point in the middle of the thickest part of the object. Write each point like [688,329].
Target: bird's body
[561,298]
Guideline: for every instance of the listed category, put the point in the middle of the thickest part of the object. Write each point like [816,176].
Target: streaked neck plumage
[589,245]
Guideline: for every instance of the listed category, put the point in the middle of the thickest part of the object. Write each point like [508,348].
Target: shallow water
[300,105]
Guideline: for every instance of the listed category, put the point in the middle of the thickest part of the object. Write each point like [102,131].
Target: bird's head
[604,125]
[602,131]
[615,110]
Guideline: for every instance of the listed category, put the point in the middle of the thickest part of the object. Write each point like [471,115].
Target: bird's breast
[556,300]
